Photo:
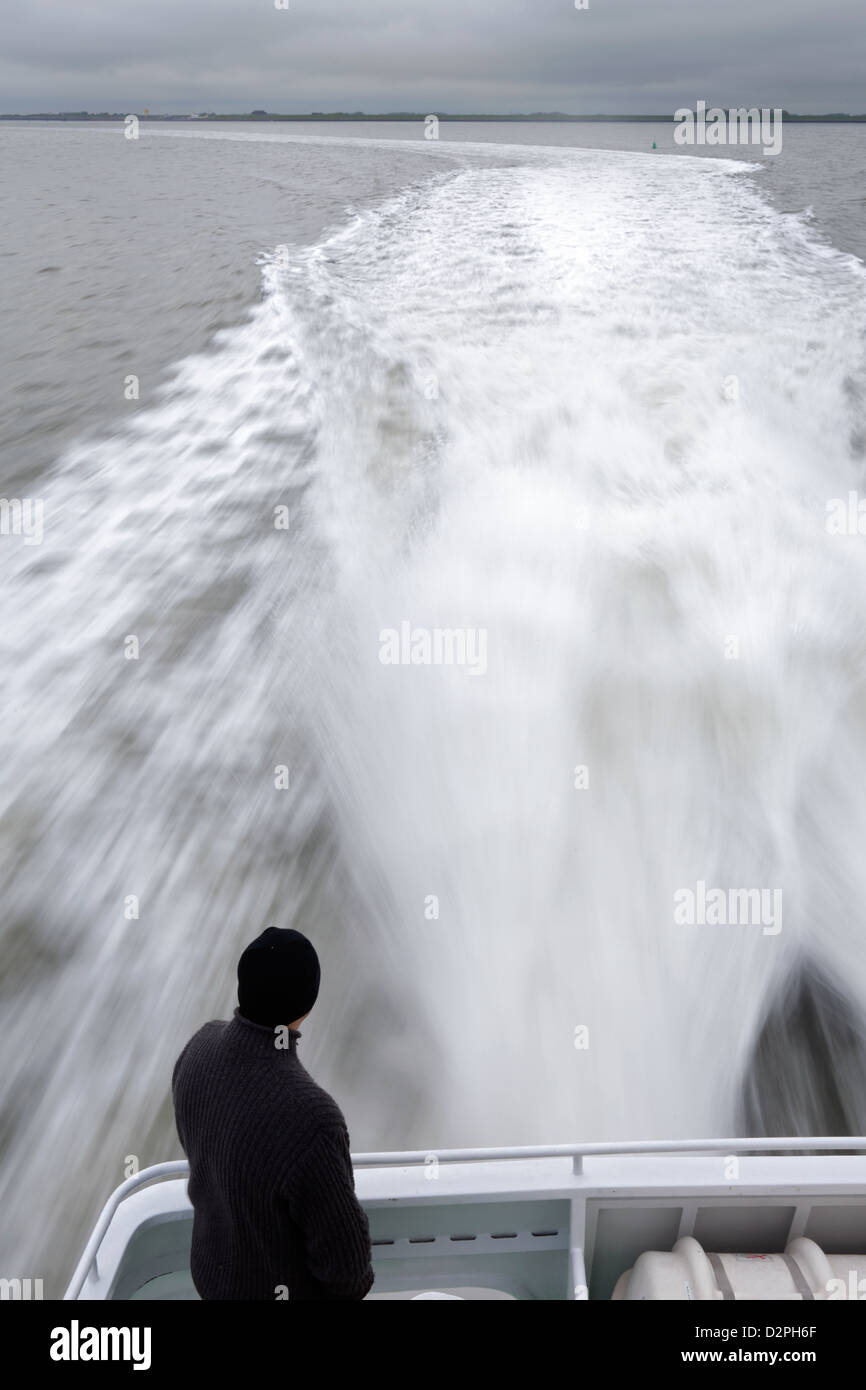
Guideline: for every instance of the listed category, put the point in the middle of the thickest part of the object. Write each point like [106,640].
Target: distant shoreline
[541,117]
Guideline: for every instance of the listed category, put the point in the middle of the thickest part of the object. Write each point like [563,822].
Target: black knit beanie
[278,977]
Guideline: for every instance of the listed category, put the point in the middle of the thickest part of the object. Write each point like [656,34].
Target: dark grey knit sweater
[271,1179]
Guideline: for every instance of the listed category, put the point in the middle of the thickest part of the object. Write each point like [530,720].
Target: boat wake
[593,408]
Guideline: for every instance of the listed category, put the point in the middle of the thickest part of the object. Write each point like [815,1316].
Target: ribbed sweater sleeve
[323,1204]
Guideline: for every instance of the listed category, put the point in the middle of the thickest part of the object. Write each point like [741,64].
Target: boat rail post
[578,1282]
[579,1286]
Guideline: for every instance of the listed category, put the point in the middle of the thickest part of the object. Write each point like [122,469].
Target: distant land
[834,117]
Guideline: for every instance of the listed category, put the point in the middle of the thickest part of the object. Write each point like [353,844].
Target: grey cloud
[460,55]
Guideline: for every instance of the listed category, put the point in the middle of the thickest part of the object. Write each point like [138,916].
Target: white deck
[521,1223]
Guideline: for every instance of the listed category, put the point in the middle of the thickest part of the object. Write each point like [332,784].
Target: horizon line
[259,114]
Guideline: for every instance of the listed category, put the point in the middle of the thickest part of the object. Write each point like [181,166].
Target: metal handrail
[578,1152]
[178,1167]
[421,1157]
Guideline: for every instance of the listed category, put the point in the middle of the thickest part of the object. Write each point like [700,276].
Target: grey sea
[591,403]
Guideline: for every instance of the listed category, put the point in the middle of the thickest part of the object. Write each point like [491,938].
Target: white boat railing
[420,1157]
[578,1152]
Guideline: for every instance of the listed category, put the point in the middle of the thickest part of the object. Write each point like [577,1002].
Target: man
[271,1181]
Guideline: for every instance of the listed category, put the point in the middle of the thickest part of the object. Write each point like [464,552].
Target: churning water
[593,407]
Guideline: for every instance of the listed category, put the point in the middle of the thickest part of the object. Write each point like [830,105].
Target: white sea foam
[697,643]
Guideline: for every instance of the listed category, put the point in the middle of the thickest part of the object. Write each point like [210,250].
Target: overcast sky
[426,55]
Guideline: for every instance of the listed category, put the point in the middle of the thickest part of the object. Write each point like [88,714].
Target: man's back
[271,1182]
